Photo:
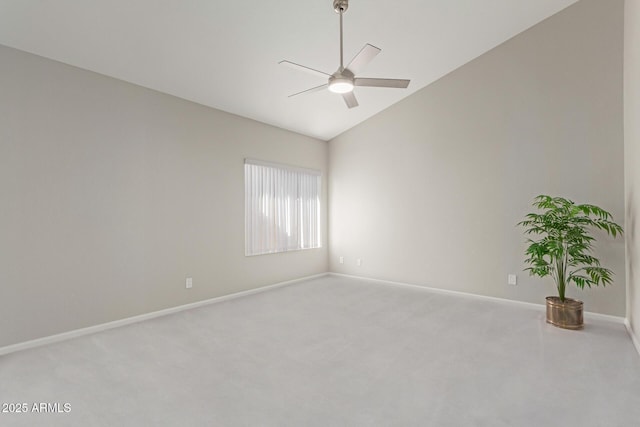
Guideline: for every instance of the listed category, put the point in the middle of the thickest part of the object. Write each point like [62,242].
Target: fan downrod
[340,5]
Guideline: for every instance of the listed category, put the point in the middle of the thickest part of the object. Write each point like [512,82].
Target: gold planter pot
[567,314]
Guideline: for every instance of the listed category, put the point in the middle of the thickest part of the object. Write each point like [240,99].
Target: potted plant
[564,252]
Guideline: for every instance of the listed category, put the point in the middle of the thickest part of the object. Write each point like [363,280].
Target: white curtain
[282,208]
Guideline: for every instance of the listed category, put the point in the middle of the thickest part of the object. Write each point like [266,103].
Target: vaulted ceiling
[225,54]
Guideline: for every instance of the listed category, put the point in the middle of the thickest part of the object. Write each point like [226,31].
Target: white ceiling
[225,54]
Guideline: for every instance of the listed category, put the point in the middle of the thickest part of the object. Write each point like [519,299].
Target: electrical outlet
[189,283]
[512,279]
[341,260]
[359,262]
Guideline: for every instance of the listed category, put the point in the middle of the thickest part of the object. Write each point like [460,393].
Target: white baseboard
[634,338]
[142,317]
[542,307]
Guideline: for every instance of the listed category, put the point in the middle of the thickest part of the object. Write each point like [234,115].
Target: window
[282,208]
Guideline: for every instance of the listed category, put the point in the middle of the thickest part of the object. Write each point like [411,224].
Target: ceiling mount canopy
[340,5]
[344,79]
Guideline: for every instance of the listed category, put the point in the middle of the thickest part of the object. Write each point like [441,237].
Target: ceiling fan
[344,79]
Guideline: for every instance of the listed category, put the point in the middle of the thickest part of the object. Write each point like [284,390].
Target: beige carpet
[334,352]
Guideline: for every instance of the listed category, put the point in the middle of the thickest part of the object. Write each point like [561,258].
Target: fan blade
[350,99]
[313,89]
[363,57]
[395,83]
[303,68]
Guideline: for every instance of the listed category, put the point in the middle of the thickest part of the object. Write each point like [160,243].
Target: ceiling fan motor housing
[341,81]
[340,5]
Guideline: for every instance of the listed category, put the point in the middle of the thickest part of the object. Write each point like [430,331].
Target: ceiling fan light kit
[341,83]
[344,79]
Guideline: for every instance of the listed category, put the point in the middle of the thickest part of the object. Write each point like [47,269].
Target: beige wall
[632,158]
[113,194]
[429,191]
